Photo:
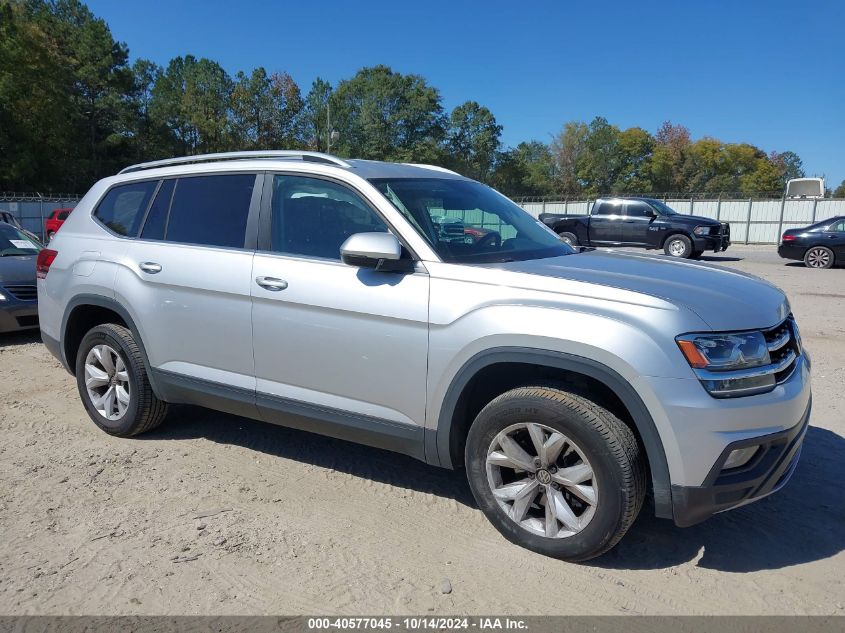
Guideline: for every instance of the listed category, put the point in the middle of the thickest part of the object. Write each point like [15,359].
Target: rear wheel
[818,257]
[113,382]
[569,238]
[554,472]
[678,246]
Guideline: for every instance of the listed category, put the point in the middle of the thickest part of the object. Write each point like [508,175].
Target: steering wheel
[493,237]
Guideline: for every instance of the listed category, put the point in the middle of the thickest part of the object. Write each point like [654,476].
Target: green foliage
[72,110]
[384,115]
[472,141]
[839,192]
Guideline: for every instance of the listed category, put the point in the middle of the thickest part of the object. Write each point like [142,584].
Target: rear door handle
[271,283]
[150,267]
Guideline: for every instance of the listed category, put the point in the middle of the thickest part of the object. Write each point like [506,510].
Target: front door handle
[150,267]
[271,283]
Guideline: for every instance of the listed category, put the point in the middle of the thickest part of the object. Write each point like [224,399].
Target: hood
[695,220]
[17,269]
[725,299]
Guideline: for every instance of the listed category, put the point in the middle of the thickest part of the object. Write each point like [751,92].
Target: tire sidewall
[686,242]
[609,511]
[98,336]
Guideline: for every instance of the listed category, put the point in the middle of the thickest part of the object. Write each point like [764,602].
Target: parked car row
[649,223]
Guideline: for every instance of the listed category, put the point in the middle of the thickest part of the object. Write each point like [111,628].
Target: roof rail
[284,154]
[434,167]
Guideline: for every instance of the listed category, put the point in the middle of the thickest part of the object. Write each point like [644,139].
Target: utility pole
[328,126]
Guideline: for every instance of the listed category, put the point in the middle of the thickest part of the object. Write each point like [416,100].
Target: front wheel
[569,238]
[554,472]
[678,246]
[818,257]
[113,382]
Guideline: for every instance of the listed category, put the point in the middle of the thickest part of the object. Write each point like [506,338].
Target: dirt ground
[214,514]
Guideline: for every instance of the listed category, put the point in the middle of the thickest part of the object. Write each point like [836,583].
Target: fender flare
[115,306]
[438,442]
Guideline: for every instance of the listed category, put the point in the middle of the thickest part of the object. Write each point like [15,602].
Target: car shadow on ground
[187,422]
[799,524]
[25,337]
[719,258]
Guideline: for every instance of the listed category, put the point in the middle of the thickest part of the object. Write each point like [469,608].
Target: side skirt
[361,429]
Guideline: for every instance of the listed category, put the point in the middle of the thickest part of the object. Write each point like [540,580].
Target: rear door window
[122,208]
[636,209]
[210,210]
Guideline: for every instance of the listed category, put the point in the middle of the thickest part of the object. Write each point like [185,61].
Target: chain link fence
[32,209]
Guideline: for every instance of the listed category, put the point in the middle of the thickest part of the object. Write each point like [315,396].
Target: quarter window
[313,217]
[211,210]
[123,207]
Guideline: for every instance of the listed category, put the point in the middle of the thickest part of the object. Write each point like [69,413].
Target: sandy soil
[215,514]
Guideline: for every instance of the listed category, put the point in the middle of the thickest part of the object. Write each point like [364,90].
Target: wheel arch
[88,310]
[442,444]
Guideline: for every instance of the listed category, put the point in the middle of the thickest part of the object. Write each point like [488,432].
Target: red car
[55,221]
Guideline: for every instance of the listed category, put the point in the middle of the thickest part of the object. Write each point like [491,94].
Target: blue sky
[771,73]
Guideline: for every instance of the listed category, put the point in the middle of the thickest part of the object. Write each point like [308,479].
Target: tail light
[44,261]
[788,238]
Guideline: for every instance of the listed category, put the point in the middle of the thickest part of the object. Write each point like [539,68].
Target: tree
[667,160]
[635,151]
[314,117]
[384,115]
[601,161]
[839,192]
[527,170]
[567,149]
[191,99]
[101,87]
[265,111]
[472,140]
[788,164]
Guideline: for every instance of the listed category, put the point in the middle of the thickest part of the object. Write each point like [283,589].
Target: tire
[569,238]
[678,245]
[594,440]
[143,411]
[818,257]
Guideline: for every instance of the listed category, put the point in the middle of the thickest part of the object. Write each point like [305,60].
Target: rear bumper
[791,252]
[17,316]
[767,472]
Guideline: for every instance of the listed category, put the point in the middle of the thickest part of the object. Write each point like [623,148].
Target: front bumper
[767,472]
[716,243]
[18,315]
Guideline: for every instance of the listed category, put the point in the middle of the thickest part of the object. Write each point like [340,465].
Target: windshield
[661,208]
[15,242]
[469,223]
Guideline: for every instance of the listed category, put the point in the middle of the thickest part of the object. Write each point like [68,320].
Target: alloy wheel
[542,480]
[818,258]
[107,382]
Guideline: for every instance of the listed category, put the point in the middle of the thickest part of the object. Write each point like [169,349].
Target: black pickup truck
[642,222]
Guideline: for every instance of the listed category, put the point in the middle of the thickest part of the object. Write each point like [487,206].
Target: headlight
[701,230]
[736,364]
[2,297]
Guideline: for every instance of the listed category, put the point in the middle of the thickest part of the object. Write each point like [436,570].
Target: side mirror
[380,251]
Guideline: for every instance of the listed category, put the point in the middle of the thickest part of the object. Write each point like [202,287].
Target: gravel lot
[214,514]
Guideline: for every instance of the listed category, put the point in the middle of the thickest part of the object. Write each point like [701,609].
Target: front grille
[782,341]
[722,229]
[24,293]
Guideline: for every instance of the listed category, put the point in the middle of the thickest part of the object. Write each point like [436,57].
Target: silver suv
[326,295]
